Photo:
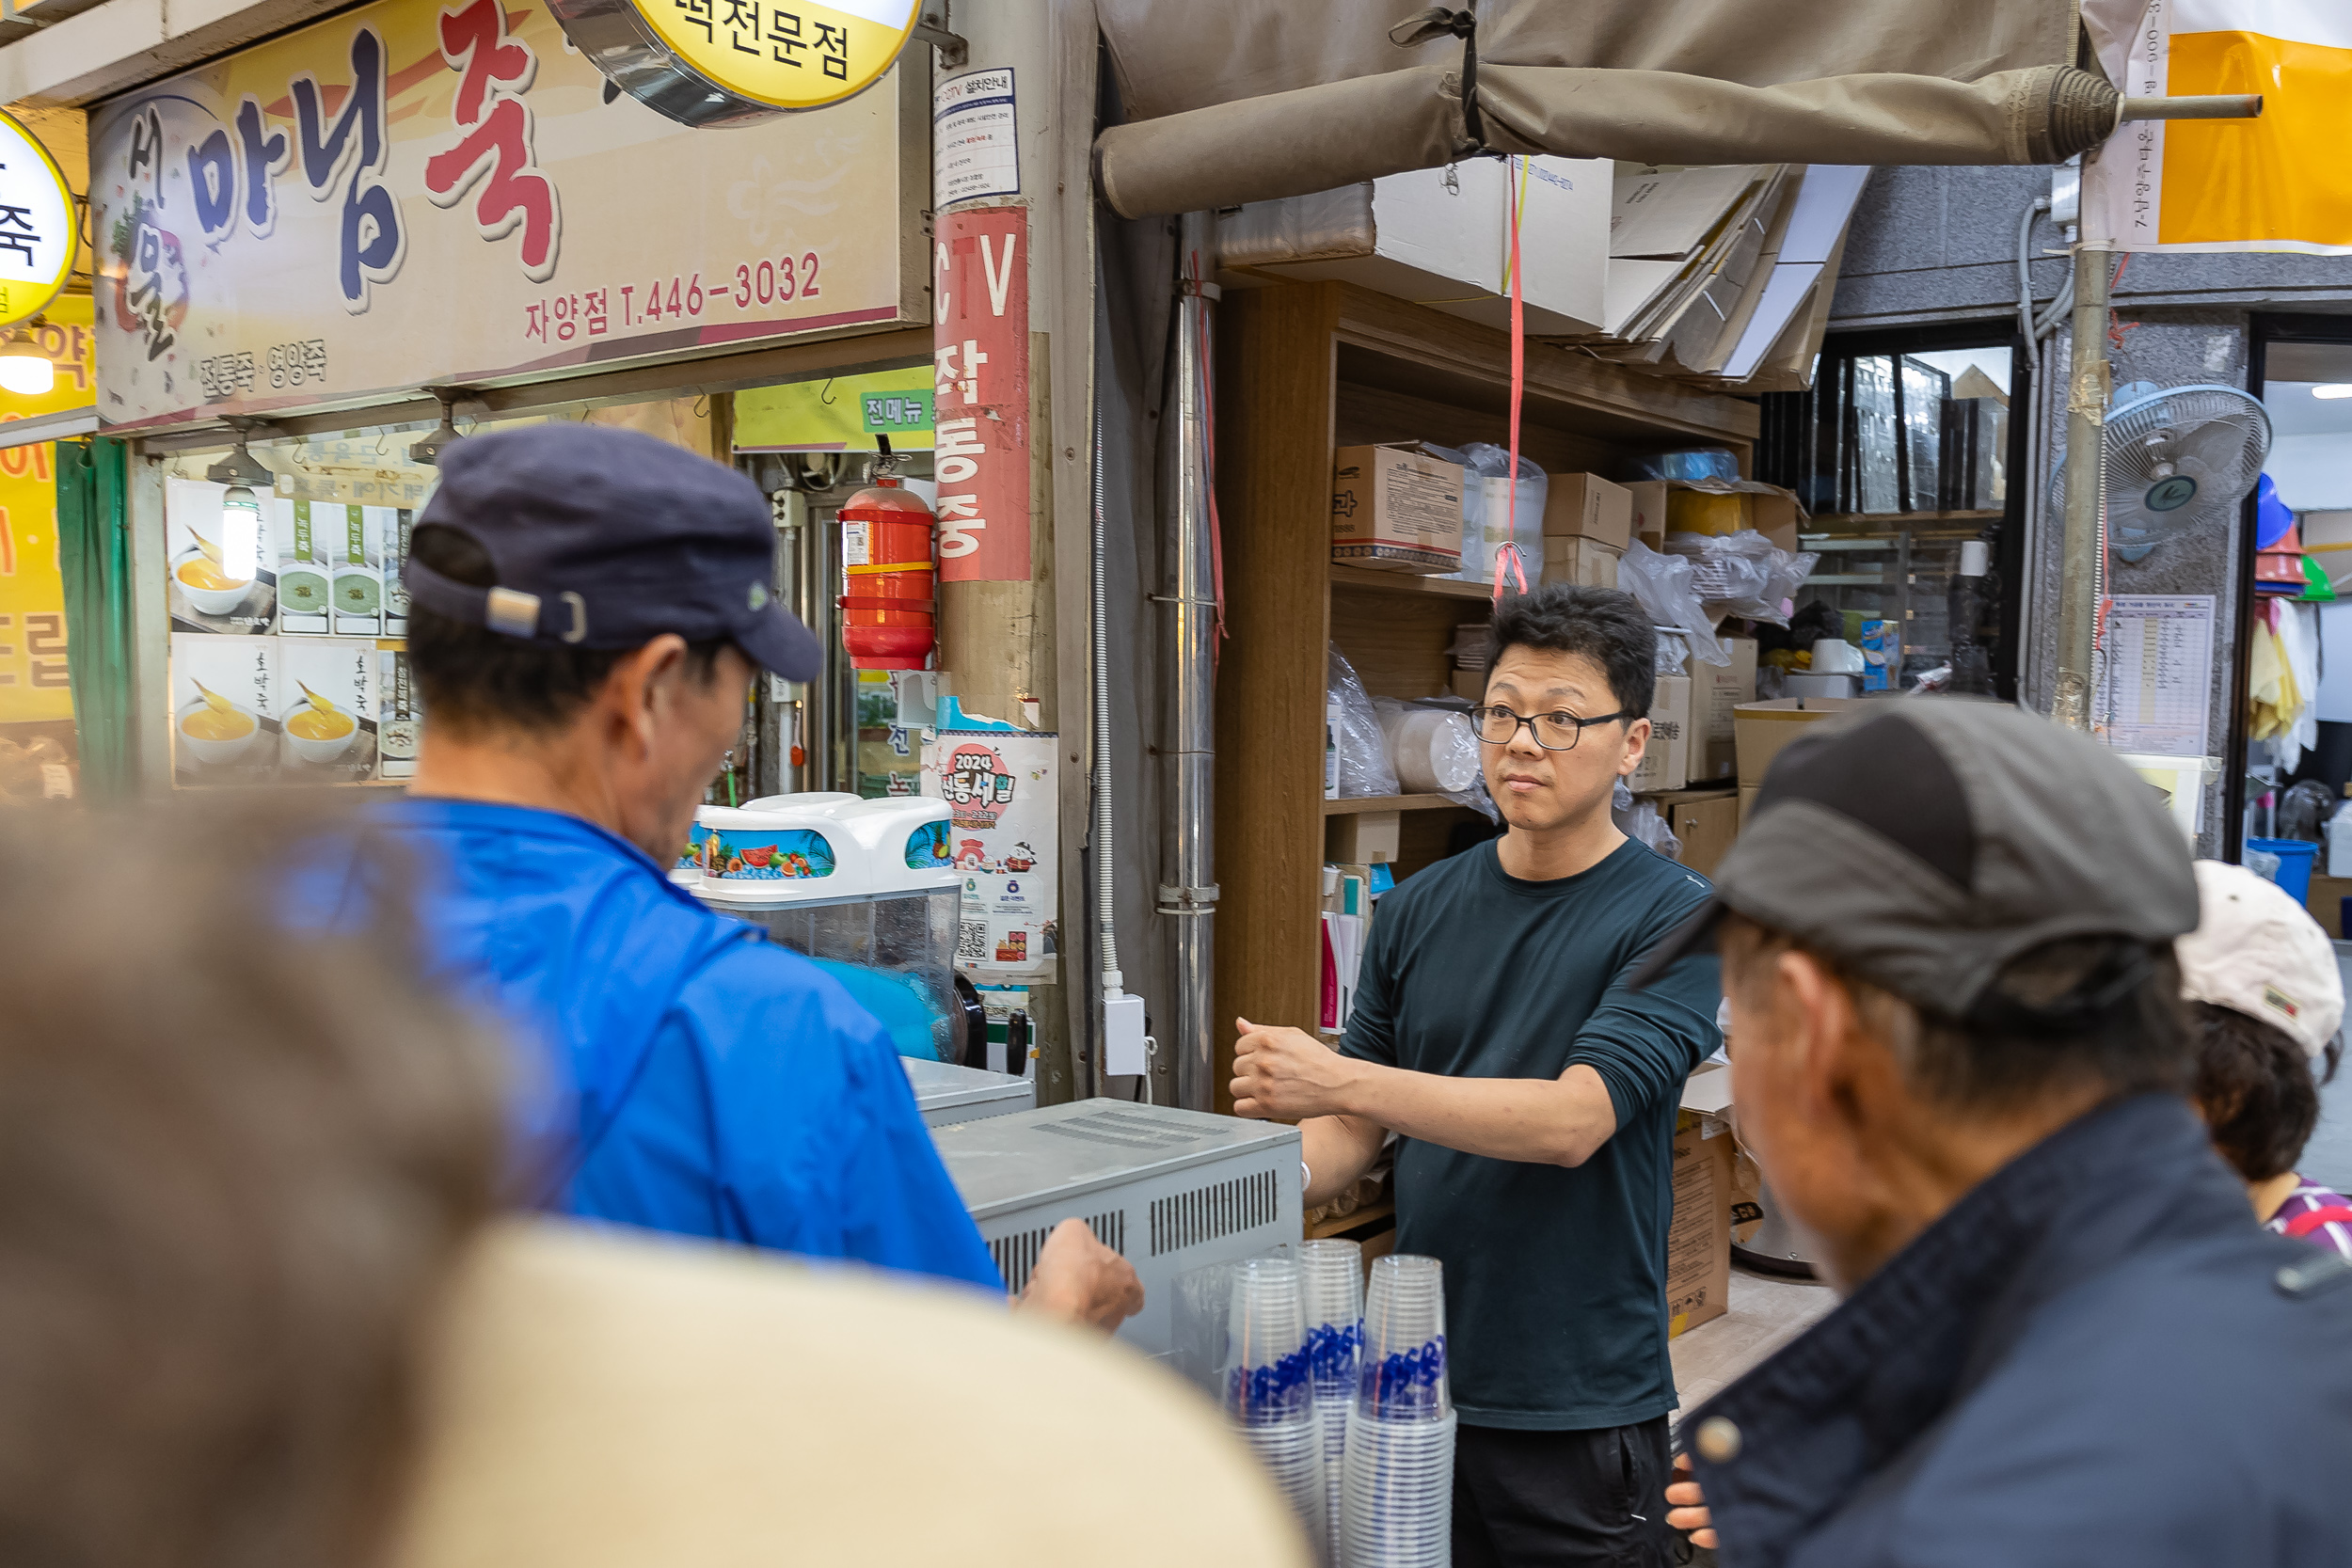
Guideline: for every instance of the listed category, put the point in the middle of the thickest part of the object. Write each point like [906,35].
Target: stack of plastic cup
[1396,1507]
[1331,1276]
[1267,1392]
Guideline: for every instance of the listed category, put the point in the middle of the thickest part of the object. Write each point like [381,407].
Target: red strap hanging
[1510,550]
[2310,1220]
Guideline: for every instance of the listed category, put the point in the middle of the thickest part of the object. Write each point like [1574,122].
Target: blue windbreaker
[711,1082]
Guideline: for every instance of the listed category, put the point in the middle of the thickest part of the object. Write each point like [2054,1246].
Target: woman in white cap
[2261,980]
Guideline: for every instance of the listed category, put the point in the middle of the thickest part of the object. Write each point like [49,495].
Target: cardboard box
[1705,825]
[1667,763]
[1361,837]
[1747,802]
[1716,690]
[1396,509]
[2325,899]
[1763,728]
[1471,684]
[1443,235]
[1698,1239]
[1587,506]
[1575,559]
[1649,512]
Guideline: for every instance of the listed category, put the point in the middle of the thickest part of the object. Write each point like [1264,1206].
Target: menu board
[281,671]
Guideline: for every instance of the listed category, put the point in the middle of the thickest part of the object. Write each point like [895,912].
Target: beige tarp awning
[1235,101]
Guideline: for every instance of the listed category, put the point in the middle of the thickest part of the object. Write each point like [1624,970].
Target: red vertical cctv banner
[981,349]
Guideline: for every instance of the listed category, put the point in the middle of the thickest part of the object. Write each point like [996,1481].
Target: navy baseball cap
[606,538]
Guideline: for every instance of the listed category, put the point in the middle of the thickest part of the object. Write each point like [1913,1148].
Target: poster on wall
[417,194]
[999,786]
[34,686]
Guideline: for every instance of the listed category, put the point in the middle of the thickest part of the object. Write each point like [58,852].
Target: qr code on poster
[972,942]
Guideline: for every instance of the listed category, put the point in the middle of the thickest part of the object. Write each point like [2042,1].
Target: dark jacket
[2095,1357]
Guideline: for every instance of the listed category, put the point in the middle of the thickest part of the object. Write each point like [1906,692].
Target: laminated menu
[224,709]
[222,579]
[400,716]
[326,710]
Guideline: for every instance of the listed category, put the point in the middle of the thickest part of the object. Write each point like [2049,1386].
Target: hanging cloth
[94,558]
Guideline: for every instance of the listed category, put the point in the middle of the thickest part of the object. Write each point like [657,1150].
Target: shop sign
[413,194]
[999,786]
[33,681]
[36,238]
[724,62]
[841,413]
[980,442]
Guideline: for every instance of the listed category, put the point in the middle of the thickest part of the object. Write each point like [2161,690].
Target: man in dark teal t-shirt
[1533,1095]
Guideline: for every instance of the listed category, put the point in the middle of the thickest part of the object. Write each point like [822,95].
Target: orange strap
[908,606]
[900,567]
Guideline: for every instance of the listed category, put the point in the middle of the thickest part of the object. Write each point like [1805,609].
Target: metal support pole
[1188,899]
[2085,435]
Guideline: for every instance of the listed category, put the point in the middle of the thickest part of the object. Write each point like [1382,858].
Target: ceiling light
[25,371]
[2333,390]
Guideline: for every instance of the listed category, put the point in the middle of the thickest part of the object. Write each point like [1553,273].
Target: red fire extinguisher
[888,554]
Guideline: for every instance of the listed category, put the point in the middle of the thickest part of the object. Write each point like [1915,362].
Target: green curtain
[94,553]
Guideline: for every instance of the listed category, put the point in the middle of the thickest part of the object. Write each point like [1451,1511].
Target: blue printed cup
[1402,1376]
[1266,1379]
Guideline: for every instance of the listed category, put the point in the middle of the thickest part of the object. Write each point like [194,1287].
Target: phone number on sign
[596,312]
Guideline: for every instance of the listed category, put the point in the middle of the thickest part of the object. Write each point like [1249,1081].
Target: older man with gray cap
[1959,1055]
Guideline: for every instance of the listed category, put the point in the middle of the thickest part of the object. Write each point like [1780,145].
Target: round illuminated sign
[726,62]
[37,228]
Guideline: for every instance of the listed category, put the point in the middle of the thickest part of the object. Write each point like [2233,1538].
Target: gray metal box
[948,1094]
[1169,1190]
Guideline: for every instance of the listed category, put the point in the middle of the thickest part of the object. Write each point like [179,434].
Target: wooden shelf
[1364,579]
[1856,522]
[1339,1225]
[1351,804]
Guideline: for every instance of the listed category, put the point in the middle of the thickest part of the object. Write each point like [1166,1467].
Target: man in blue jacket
[587,608]
[1959,1055]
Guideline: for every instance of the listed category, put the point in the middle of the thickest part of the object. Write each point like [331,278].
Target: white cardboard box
[1717,689]
[1441,237]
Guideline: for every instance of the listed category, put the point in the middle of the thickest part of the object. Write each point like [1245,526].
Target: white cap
[2258,952]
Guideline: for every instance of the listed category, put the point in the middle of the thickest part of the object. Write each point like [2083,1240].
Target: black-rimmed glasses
[1553,732]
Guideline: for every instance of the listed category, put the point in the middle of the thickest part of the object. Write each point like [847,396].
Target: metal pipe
[2246,106]
[2086,435]
[1188,898]
[1105,861]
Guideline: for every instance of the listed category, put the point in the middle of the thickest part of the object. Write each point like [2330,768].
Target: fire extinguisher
[889,558]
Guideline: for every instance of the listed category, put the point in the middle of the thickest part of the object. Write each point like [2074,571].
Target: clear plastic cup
[1402,1374]
[1265,1375]
[1398,1495]
[1331,1278]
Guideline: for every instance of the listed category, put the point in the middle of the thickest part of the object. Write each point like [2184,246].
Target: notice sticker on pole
[36,235]
[999,786]
[972,149]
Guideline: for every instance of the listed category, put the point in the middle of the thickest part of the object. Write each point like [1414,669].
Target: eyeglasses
[1554,732]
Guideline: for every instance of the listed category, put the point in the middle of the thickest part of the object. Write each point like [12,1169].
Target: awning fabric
[1235,101]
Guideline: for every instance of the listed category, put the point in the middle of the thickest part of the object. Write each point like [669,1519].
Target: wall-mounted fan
[2175,457]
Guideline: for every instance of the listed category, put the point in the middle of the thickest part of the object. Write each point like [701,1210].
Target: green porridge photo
[356,594]
[303,592]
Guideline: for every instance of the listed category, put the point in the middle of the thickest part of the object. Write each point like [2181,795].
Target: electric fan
[2175,457]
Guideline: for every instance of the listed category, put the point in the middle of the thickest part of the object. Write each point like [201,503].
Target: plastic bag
[1493,522]
[1742,574]
[1689,462]
[1662,585]
[1642,822]
[1363,755]
[1431,746]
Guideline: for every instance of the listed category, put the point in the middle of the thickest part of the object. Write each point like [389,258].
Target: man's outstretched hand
[1286,1074]
[1686,1506]
[1079,1280]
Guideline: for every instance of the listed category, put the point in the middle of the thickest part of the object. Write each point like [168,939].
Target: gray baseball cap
[1924,843]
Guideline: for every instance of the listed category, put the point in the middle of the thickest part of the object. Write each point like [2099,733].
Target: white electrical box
[1169,1190]
[1124,1047]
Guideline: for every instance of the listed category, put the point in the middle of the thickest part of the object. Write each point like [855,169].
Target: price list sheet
[2157,694]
